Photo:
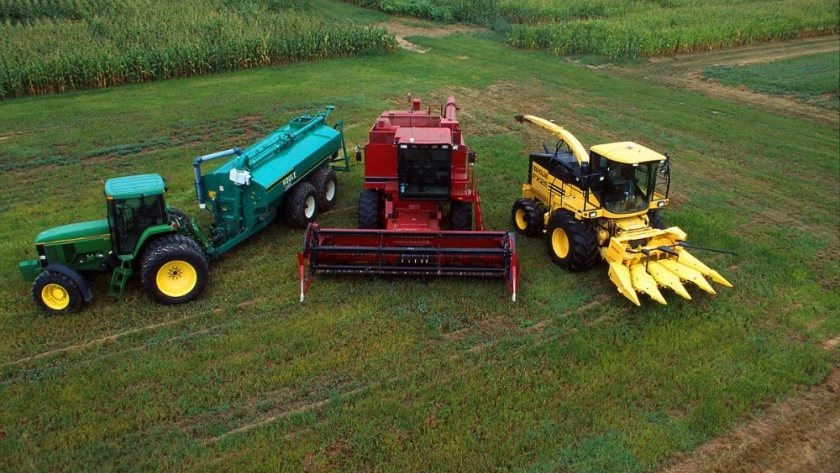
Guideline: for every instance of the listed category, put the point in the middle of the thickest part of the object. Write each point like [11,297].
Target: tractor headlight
[593,214]
[661,203]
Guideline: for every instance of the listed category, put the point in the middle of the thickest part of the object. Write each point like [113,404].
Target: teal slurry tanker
[290,172]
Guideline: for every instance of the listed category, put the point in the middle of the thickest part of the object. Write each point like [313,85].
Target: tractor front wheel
[370,210]
[174,270]
[526,218]
[326,185]
[302,205]
[55,293]
[573,245]
[460,215]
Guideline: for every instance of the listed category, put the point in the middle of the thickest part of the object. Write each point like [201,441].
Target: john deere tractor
[605,204]
[288,173]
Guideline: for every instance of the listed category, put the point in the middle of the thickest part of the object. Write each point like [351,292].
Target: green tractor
[290,173]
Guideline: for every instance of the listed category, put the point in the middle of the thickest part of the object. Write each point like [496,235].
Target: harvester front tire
[302,205]
[174,270]
[370,210]
[573,245]
[460,215]
[526,218]
[655,220]
[56,294]
[326,185]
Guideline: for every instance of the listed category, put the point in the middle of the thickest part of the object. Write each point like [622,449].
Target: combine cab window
[129,218]
[424,172]
[627,187]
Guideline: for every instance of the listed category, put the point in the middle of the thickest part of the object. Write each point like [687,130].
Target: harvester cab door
[627,186]
[129,218]
[425,172]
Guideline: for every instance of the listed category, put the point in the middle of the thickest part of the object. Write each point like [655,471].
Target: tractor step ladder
[119,278]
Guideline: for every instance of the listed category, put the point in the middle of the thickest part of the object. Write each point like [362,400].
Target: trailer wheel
[526,217]
[370,209]
[55,293]
[326,185]
[174,270]
[572,244]
[460,215]
[302,205]
[655,220]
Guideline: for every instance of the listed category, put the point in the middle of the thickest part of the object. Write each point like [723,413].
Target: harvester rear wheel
[370,210]
[526,217]
[174,270]
[573,245]
[55,293]
[302,205]
[460,215]
[326,185]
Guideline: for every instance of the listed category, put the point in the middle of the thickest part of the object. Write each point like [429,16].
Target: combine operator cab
[629,187]
[417,209]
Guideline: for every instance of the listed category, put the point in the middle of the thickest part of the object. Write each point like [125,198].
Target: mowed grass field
[374,374]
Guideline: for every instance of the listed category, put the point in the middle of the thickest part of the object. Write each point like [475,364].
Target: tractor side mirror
[358,154]
[471,157]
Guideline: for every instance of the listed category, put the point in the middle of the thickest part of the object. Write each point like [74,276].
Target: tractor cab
[627,177]
[135,203]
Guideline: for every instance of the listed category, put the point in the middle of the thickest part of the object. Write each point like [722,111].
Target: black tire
[302,205]
[174,270]
[460,215]
[572,244]
[370,210]
[655,220]
[526,218]
[326,185]
[56,294]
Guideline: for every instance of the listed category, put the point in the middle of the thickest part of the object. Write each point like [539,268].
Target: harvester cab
[606,202]
[417,209]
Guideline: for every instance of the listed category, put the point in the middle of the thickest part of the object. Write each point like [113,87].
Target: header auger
[606,201]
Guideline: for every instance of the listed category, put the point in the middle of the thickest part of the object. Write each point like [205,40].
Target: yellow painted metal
[689,260]
[176,278]
[620,276]
[577,149]
[666,278]
[687,274]
[55,296]
[559,242]
[644,282]
[521,221]
[628,152]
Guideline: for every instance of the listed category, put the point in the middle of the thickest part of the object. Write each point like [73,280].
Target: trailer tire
[326,185]
[174,270]
[56,293]
[302,205]
[572,244]
[526,217]
[370,210]
[460,215]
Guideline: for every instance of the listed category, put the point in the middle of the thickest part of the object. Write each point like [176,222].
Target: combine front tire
[55,293]
[572,244]
[302,205]
[655,220]
[526,217]
[460,215]
[370,210]
[326,185]
[174,270]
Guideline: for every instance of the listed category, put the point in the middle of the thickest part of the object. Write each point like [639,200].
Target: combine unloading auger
[605,202]
[417,210]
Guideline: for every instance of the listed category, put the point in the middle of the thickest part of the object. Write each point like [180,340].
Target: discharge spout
[199,182]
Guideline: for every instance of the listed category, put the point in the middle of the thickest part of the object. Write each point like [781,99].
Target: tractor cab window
[129,218]
[424,172]
[626,187]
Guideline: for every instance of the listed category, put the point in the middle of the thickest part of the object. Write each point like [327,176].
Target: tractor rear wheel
[460,215]
[573,244]
[326,185]
[526,217]
[55,293]
[302,205]
[370,210]
[174,270]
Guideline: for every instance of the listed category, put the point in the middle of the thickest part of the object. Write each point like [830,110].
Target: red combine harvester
[416,168]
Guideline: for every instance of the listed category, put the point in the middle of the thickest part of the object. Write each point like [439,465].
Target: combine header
[606,202]
[416,212]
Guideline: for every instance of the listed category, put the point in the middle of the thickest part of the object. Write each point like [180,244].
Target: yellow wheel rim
[55,296]
[560,243]
[176,278]
[521,223]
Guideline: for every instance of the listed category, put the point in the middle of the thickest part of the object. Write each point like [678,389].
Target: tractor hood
[74,231]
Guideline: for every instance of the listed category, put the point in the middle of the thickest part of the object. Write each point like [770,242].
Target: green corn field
[50,46]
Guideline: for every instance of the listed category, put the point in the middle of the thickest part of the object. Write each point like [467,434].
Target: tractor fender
[81,281]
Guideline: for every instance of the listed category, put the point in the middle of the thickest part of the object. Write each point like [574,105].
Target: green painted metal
[130,187]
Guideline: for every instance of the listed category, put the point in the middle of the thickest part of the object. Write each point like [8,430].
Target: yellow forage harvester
[605,203]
